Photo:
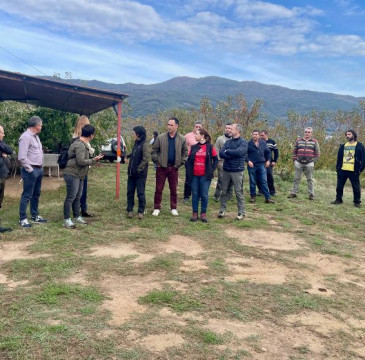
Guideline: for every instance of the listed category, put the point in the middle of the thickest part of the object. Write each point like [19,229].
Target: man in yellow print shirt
[350,163]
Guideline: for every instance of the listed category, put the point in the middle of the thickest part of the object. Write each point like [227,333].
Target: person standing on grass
[74,175]
[200,166]
[169,152]
[5,150]
[218,146]
[190,141]
[274,151]
[306,152]
[258,160]
[234,153]
[81,122]
[137,171]
[350,163]
[30,157]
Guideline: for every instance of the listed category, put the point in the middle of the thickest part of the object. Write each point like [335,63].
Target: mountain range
[187,92]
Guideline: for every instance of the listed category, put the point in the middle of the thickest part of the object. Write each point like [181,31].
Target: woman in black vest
[200,166]
[137,171]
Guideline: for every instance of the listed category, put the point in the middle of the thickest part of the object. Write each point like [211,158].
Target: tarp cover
[55,94]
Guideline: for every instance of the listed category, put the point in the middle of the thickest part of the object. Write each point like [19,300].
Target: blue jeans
[32,184]
[258,175]
[74,188]
[83,200]
[200,191]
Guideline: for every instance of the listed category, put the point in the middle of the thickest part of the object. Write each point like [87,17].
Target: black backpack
[63,156]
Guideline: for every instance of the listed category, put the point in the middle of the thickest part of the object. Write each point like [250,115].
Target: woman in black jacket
[200,166]
[137,171]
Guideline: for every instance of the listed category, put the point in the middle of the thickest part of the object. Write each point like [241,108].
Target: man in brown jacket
[169,152]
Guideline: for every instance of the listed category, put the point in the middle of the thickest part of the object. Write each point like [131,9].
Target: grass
[43,315]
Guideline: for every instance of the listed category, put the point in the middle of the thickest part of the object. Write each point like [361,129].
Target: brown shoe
[203,217]
[130,214]
[194,217]
[291,196]
[311,197]
[253,199]
[140,216]
[269,201]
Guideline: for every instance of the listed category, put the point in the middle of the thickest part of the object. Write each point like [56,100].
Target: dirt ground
[14,187]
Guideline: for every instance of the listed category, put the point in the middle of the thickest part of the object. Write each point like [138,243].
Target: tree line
[329,127]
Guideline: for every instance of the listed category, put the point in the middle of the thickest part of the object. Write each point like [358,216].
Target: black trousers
[270,180]
[138,183]
[187,187]
[342,176]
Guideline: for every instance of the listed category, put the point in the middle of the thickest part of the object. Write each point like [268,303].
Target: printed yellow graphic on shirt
[349,157]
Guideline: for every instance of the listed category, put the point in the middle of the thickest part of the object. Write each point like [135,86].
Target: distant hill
[187,92]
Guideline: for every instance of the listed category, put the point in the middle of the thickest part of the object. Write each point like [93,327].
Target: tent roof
[55,94]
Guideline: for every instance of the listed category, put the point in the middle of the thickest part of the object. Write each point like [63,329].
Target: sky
[315,45]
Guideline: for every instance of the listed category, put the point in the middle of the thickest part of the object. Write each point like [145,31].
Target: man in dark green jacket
[169,152]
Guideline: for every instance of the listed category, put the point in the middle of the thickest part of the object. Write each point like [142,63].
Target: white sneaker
[156,212]
[240,216]
[174,212]
[80,220]
[68,224]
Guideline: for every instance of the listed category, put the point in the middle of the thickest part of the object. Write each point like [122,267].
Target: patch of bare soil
[269,340]
[162,342]
[323,324]
[257,270]
[10,283]
[182,244]
[193,265]
[14,186]
[124,292]
[266,239]
[17,250]
[325,265]
[118,250]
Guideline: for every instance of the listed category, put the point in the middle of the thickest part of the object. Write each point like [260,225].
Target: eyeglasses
[308,132]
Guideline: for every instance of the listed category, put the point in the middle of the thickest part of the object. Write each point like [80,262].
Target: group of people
[230,155]
[170,151]
[30,157]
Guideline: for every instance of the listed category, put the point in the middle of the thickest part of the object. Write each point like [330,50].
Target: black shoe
[311,197]
[358,205]
[336,202]
[5,229]
[269,201]
[291,196]
[86,214]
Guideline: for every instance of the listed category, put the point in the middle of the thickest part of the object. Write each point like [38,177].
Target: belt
[37,166]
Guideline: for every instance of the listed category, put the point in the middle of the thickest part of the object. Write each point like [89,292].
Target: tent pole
[119,152]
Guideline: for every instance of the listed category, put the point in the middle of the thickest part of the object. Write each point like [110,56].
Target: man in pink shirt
[190,141]
[31,159]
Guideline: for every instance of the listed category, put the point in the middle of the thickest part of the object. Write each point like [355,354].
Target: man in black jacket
[233,152]
[137,172]
[350,163]
[258,160]
[274,158]
[5,150]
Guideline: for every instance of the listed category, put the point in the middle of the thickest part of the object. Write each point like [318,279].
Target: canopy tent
[58,95]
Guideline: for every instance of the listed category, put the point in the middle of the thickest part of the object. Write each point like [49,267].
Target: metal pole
[119,151]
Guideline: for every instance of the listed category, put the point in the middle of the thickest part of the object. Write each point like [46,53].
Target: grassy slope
[49,318]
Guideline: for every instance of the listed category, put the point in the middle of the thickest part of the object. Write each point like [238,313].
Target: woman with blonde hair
[80,123]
